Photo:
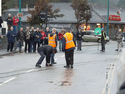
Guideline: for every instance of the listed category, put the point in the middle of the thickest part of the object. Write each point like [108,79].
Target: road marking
[8,81]
[93,49]
[31,70]
[112,76]
[103,92]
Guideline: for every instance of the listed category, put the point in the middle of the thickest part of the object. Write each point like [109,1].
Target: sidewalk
[4,52]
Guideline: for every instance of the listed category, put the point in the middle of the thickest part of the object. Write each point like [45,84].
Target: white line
[107,80]
[30,70]
[8,80]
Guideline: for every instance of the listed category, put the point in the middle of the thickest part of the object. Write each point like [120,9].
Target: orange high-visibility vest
[52,41]
[69,40]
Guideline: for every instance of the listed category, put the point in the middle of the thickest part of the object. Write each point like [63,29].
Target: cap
[70,28]
[102,28]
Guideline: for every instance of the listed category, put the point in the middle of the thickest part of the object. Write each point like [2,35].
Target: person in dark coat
[11,39]
[45,50]
[1,21]
[103,39]
[27,39]
[79,35]
[9,21]
[32,39]
[37,39]
[20,39]
[46,38]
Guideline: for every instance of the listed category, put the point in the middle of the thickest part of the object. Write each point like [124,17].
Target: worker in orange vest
[68,46]
[52,41]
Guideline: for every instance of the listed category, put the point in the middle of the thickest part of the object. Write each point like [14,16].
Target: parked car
[89,36]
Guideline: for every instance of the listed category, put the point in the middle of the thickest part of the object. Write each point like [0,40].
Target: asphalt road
[93,72]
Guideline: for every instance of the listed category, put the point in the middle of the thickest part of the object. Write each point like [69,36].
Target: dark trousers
[69,55]
[79,44]
[46,41]
[10,46]
[42,41]
[35,43]
[41,58]
[52,58]
[27,43]
[103,45]
[20,46]
[31,46]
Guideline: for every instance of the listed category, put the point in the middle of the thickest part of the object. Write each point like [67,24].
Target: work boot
[54,63]
[67,66]
[37,65]
[116,50]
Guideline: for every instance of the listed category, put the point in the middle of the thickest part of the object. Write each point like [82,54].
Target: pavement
[94,72]
[3,52]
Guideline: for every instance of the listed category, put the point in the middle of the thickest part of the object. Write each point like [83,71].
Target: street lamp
[108,19]
[19,12]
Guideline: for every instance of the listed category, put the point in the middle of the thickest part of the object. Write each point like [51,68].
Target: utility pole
[19,12]
[46,18]
[108,19]
[0,7]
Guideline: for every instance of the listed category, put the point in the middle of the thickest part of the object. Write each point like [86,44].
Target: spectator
[27,39]
[60,40]
[79,38]
[20,38]
[46,38]
[15,22]
[119,39]
[9,21]
[1,21]
[37,38]
[43,36]
[11,39]
[71,31]
[32,39]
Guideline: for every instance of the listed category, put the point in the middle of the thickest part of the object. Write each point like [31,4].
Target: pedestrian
[71,31]
[1,21]
[9,21]
[32,31]
[45,50]
[43,36]
[60,40]
[20,39]
[1,37]
[11,39]
[37,38]
[27,39]
[46,38]
[119,39]
[52,41]
[79,35]
[15,23]
[68,46]
[103,39]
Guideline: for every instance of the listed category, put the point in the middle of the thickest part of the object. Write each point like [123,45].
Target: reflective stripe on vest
[52,42]
[104,36]
[69,42]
